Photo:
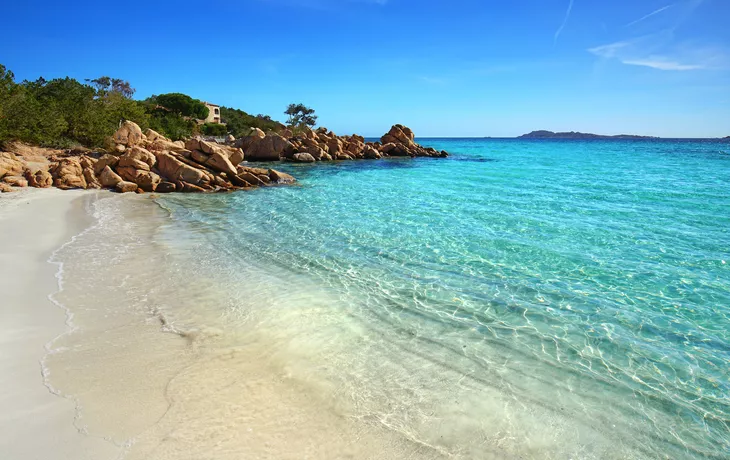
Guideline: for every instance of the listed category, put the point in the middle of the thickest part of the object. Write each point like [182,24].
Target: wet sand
[34,422]
[92,368]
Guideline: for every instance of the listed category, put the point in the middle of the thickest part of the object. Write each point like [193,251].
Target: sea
[520,299]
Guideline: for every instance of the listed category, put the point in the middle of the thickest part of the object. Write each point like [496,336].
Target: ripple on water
[526,299]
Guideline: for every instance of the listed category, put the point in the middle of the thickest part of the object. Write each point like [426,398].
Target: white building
[214,113]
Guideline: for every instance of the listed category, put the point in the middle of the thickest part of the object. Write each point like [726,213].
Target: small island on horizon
[543,134]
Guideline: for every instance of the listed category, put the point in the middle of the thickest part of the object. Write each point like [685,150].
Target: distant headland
[576,135]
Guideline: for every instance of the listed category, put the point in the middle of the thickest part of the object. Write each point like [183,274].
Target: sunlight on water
[516,300]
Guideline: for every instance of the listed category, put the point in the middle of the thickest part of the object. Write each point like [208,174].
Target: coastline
[35,422]
[121,374]
[227,325]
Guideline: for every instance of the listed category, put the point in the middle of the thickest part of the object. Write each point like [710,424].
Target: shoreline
[114,372]
[36,422]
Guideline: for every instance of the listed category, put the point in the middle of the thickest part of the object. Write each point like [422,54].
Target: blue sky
[456,68]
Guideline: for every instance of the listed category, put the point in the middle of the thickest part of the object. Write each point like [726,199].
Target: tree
[182,104]
[300,115]
[105,85]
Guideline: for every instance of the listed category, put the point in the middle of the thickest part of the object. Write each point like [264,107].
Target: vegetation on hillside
[64,112]
[239,123]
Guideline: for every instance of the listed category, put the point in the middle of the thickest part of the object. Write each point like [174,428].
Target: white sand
[36,424]
[144,393]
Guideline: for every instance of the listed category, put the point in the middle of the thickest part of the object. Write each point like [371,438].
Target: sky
[458,68]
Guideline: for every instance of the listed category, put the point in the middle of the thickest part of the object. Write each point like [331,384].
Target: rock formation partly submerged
[149,162]
[323,145]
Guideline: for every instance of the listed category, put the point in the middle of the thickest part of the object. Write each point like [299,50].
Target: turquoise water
[520,299]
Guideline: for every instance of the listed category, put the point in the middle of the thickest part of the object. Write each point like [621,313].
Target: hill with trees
[64,112]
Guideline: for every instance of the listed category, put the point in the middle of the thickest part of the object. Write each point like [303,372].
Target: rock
[146,180]
[257,171]
[132,163]
[126,187]
[39,179]
[105,160]
[199,156]
[303,158]
[267,148]
[160,145]
[230,139]
[220,162]
[138,158]
[190,188]
[175,170]
[90,178]
[165,187]
[253,137]
[5,188]
[280,177]
[10,164]
[251,178]
[399,134]
[15,181]
[335,146]
[371,153]
[236,156]
[109,178]
[193,144]
[153,136]
[387,148]
[120,148]
[67,173]
[207,147]
[128,134]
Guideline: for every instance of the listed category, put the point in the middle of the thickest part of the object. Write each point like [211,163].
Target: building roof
[212,105]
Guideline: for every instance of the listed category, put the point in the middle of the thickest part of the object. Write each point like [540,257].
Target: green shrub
[214,129]
[172,125]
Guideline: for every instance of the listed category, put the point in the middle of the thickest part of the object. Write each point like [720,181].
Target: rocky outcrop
[68,173]
[150,162]
[323,145]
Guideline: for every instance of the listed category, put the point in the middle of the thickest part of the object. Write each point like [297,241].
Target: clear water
[520,299]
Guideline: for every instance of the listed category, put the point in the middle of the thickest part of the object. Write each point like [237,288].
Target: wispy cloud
[660,49]
[661,63]
[653,13]
[565,22]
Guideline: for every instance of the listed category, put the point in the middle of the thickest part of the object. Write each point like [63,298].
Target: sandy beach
[35,423]
[93,368]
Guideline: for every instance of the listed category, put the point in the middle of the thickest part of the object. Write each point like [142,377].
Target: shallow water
[520,299]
